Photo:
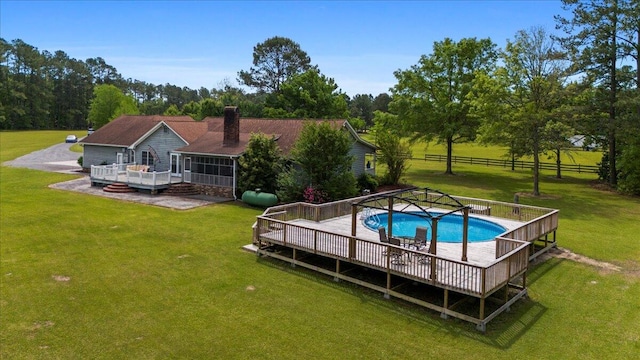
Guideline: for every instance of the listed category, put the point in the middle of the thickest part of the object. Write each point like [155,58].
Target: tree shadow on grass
[502,186]
[502,332]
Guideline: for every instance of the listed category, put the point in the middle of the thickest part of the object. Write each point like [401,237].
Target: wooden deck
[444,270]
[479,253]
[328,231]
[140,179]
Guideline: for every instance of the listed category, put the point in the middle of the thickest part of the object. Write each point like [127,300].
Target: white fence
[118,173]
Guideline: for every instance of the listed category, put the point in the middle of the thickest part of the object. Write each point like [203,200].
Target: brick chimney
[231,126]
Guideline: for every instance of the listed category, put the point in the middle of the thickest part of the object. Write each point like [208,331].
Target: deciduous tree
[172,110]
[108,103]
[260,164]
[322,165]
[392,150]
[430,98]
[519,103]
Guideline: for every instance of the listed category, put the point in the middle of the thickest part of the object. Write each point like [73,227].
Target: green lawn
[495,152]
[419,149]
[89,277]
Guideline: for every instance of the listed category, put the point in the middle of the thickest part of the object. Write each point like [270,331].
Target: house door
[187,169]
[119,158]
[175,165]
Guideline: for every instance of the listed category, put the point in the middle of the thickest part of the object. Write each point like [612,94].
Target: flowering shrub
[314,196]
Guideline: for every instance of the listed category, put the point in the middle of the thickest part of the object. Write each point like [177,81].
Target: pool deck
[479,253]
[319,237]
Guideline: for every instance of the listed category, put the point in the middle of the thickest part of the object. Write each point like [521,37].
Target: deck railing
[538,221]
[535,228]
[511,256]
[117,173]
[106,172]
[451,274]
[148,178]
[489,207]
[315,212]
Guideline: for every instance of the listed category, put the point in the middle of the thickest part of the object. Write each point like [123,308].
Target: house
[203,153]
[138,139]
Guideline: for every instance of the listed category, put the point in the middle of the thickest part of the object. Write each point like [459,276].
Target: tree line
[41,90]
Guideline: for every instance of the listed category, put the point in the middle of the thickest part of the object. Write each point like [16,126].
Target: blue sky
[201,43]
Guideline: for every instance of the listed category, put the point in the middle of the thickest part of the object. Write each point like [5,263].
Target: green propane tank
[258,198]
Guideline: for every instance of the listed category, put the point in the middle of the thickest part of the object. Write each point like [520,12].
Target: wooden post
[315,241]
[465,233]
[433,247]
[293,260]
[390,218]
[506,287]
[386,294]
[434,236]
[483,283]
[284,234]
[352,248]
[354,218]
[446,304]
[506,293]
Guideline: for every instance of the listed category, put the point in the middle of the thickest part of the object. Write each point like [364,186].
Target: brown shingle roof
[127,129]
[203,137]
[211,143]
[288,129]
[189,131]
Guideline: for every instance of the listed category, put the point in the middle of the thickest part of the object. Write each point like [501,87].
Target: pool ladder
[369,213]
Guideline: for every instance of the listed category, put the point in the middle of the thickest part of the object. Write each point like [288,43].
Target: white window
[369,161]
[147,158]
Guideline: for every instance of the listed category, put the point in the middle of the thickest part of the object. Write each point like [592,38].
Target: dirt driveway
[56,158]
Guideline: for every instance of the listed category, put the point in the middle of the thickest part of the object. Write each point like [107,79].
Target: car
[71,139]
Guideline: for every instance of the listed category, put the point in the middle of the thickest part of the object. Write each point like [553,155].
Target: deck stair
[181,189]
[118,188]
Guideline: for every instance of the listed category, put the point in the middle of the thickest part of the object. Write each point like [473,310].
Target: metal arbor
[426,200]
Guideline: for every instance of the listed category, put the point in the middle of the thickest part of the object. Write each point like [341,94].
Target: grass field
[89,277]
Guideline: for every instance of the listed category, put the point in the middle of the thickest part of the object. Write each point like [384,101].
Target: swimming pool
[449,227]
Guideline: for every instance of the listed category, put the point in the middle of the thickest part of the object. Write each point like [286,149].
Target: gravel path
[56,158]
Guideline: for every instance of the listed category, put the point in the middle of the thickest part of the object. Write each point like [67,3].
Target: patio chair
[382,232]
[383,235]
[421,243]
[420,239]
[396,255]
